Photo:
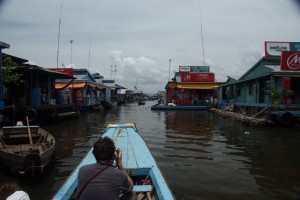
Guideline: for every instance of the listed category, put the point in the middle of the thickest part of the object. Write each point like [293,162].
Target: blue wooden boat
[137,160]
[165,107]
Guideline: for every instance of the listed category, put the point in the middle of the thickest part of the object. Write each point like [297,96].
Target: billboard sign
[184,68]
[63,70]
[295,46]
[290,60]
[200,69]
[275,48]
[197,77]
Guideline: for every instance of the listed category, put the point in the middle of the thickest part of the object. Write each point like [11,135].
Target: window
[250,89]
[238,90]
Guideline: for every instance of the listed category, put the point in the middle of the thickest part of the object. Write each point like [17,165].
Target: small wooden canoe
[26,149]
[149,182]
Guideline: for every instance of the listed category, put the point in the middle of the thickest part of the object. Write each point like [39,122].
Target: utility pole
[71,41]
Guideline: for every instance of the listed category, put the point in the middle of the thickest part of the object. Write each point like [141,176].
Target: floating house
[84,91]
[33,95]
[270,88]
[113,94]
[192,86]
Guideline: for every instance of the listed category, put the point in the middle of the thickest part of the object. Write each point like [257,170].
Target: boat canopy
[198,85]
[77,85]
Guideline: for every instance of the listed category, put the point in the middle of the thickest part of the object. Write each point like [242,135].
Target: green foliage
[275,94]
[289,93]
[8,74]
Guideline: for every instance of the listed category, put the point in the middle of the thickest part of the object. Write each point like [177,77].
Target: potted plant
[289,94]
[275,96]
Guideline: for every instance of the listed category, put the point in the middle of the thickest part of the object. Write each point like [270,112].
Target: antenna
[90,48]
[90,53]
[115,72]
[170,60]
[202,34]
[58,36]
[111,71]
[71,41]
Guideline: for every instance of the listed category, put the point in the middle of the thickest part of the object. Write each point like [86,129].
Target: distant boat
[26,149]
[141,102]
[149,182]
[171,107]
[108,104]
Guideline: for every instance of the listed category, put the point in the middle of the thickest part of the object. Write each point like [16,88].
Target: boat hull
[108,104]
[20,156]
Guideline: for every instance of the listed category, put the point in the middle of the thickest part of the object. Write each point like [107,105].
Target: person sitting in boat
[102,179]
[12,191]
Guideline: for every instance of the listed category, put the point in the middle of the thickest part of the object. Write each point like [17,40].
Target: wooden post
[29,132]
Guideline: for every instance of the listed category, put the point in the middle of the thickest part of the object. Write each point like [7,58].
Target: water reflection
[188,140]
[273,159]
[201,155]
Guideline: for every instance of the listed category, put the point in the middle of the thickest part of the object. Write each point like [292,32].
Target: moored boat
[141,102]
[139,163]
[108,104]
[172,107]
[26,149]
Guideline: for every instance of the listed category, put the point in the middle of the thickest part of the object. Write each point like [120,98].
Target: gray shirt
[106,186]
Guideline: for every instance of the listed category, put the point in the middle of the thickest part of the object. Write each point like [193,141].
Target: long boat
[108,104]
[180,107]
[139,163]
[26,149]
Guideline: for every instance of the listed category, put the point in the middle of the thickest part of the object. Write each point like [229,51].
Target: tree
[10,76]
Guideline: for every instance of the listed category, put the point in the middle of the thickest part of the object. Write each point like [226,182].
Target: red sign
[290,60]
[63,70]
[197,77]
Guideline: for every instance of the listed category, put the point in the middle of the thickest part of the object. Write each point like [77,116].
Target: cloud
[139,37]
[140,71]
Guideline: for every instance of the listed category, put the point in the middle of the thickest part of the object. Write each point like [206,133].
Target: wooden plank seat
[18,149]
[7,131]
[142,188]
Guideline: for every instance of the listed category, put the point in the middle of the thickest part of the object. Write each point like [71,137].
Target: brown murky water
[201,155]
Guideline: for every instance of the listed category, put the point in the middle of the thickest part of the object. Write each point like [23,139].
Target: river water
[201,155]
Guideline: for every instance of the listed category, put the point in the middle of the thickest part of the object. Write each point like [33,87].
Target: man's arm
[121,167]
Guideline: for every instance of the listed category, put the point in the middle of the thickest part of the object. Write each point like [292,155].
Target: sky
[133,41]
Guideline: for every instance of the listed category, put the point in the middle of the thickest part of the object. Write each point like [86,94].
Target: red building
[192,85]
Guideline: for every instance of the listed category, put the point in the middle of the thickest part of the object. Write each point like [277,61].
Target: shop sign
[295,46]
[200,69]
[184,68]
[275,48]
[290,60]
[68,71]
[197,77]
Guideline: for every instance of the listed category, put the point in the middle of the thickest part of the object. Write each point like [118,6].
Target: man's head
[8,189]
[104,149]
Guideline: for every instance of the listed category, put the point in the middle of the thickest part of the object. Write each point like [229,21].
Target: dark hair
[8,189]
[104,149]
